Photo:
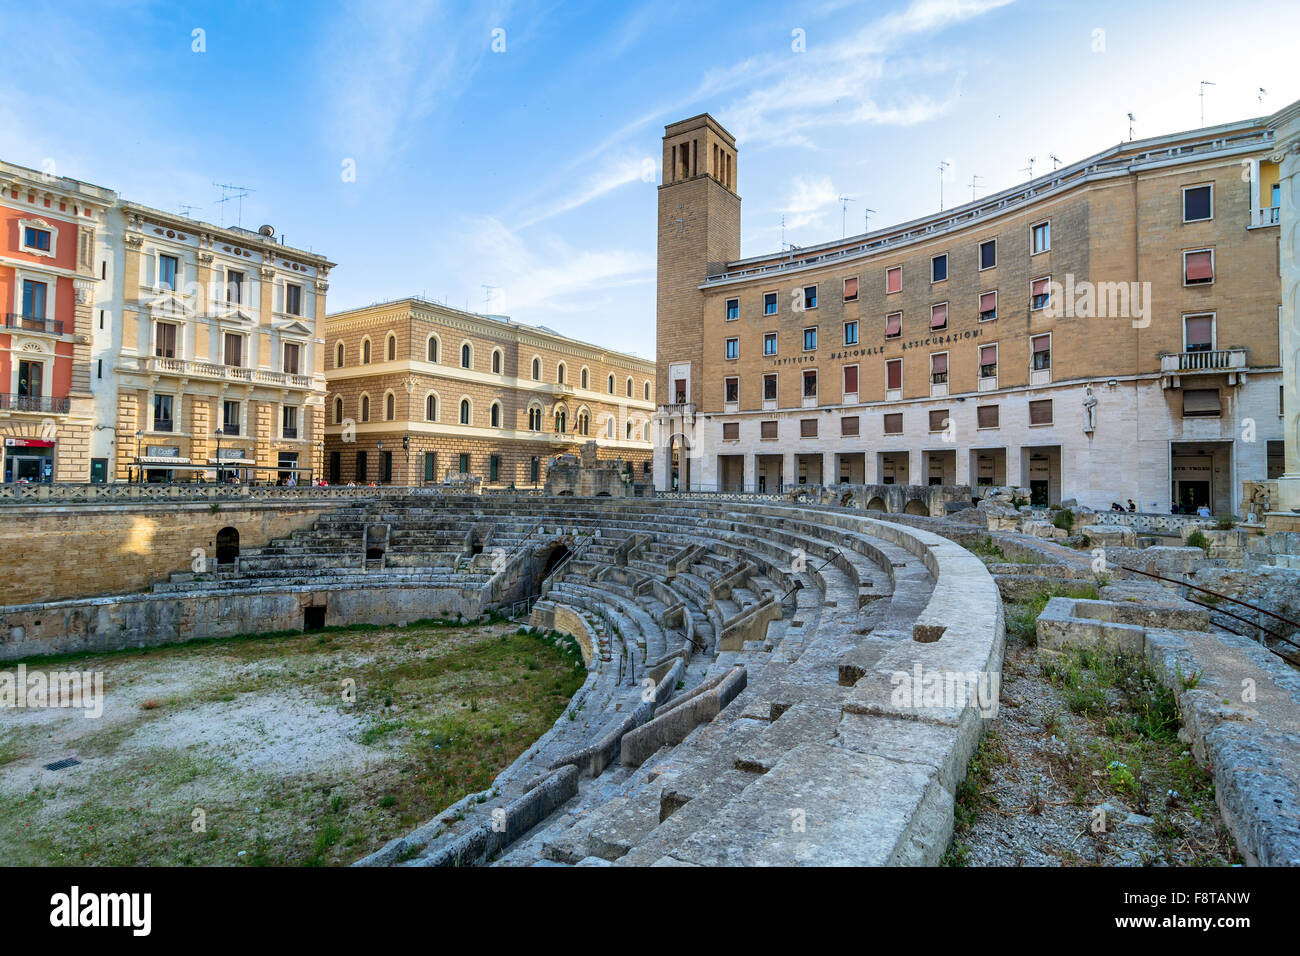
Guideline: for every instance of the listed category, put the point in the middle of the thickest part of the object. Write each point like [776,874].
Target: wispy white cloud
[621,170]
[811,198]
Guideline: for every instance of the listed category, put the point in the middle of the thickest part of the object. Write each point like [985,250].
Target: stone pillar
[1287,154]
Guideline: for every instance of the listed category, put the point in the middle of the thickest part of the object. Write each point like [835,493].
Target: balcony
[1209,362]
[226,373]
[1264,217]
[33,323]
[34,403]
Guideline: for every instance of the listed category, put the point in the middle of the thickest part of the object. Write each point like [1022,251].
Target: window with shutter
[987,416]
[808,428]
[1040,412]
[894,423]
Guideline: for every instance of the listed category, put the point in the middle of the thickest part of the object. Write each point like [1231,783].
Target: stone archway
[917,507]
[876,504]
[227,545]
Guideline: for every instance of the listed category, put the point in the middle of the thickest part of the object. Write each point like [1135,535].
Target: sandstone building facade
[1107,331]
[420,393]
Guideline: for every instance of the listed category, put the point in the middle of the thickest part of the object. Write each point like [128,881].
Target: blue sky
[526,169]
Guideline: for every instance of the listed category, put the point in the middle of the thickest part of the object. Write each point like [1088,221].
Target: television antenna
[229,192]
[1262,93]
[943,165]
[1204,84]
[1030,168]
[844,213]
[1056,161]
[974,181]
[1131,120]
[187,208]
[866,219]
[487,295]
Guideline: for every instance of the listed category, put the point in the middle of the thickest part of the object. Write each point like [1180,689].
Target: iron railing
[33,323]
[34,403]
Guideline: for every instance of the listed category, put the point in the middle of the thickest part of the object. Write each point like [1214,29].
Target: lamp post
[219,434]
[320,447]
[139,466]
[406,448]
[380,446]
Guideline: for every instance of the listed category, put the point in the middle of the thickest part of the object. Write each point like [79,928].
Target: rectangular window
[810,384]
[167,269]
[290,420]
[988,361]
[986,416]
[33,299]
[733,309]
[733,348]
[851,289]
[851,333]
[1198,203]
[894,423]
[851,379]
[164,345]
[1040,412]
[731,388]
[769,303]
[938,268]
[807,428]
[938,419]
[939,368]
[430,465]
[731,431]
[893,325]
[230,418]
[1198,267]
[36,239]
[291,351]
[292,298]
[1040,238]
[463,464]
[810,339]
[769,343]
[894,374]
[894,280]
[1039,293]
[810,297]
[767,429]
[849,425]
[1198,333]
[988,254]
[769,387]
[494,468]
[679,391]
[30,379]
[162,413]
[988,305]
[361,467]
[1042,352]
[1201,403]
[234,287]
[234,348]
[939,316]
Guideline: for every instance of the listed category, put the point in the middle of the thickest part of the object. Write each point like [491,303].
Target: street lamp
[380,445]
[320,447]
[219,434]
[139,467]
[406,448]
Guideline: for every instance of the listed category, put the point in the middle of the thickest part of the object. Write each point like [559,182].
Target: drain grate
[63,764]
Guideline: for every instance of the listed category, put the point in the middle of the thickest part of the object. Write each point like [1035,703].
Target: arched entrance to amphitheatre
[917,507]
[678,465]
[227,545]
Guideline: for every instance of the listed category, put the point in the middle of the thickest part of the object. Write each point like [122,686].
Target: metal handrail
[798,585]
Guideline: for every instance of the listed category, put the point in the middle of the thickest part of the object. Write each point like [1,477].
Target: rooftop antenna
[1056,161]
[1030,168]
[974,181]
[229,192]
[1131,120]
[1204,84]
[1262,93]
[943,165]
[487,296]
[187,208]
[866,219]
[844,213]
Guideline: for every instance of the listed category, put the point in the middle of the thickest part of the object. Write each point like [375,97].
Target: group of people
[1116,506]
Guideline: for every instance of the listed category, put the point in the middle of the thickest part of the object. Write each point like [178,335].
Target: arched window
[365,408]
[583,423]
[534,419]
[611,385]
[338,411]
[496,415]
[464,411]
[559,373]
[647,391]
[629,431]
[390,349]
[496,361]
[338,356]
[584,378]
[365,352]
[561,420]
[537,370]
[609,427]
[645,432]
[431,408]
[465,355]
[431,350]
[390,407]
[629,387]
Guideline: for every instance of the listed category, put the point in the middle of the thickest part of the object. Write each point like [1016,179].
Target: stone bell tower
[699,232]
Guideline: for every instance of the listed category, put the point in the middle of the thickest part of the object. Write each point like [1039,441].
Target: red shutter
[851,378]
[1040,286]
[894,279]
[988,354]
[894,373]
[1199,330]
[939,362]
[938,316]
[1042,343]
[894,323]
[851,288]
[988,301]
[1199,266]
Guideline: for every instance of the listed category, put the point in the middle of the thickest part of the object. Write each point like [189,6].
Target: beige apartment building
[420,393]
[214,352]
[1109,330]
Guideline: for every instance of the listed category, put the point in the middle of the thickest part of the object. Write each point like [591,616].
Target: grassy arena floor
[249,751]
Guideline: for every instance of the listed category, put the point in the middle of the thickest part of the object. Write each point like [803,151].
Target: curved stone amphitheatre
[768,683]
